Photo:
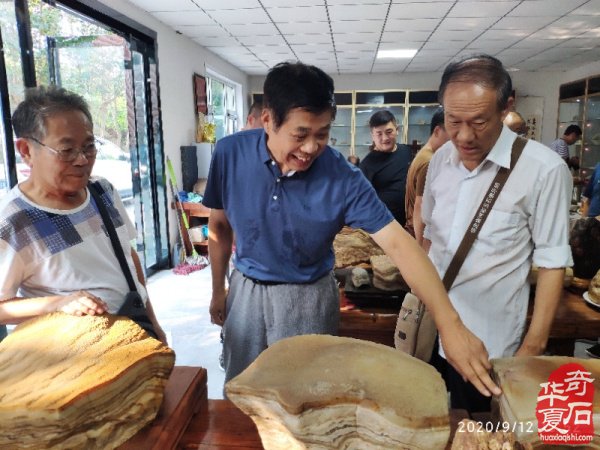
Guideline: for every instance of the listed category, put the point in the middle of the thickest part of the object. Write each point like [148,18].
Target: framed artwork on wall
[200,94]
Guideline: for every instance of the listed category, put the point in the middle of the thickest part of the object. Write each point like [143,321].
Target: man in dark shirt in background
[386,166]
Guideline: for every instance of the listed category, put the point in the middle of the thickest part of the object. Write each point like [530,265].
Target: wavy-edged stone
[71,382]
[520,379]
[321,392]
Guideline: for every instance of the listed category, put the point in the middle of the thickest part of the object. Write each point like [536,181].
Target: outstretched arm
[464,351]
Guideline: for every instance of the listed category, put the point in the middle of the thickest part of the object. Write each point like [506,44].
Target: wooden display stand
[185,395]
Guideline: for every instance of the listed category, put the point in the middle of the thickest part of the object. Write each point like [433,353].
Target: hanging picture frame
[200,99]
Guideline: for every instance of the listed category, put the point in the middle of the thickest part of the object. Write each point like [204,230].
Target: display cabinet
[422,106]
[340,136]
[579,104]
[591,129]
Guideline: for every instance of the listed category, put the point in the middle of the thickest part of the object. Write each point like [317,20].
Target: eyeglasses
[71,154]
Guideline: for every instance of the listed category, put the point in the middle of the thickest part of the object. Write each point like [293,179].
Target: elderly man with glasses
[55,254]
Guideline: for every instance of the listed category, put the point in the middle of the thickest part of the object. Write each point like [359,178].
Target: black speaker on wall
[189,167]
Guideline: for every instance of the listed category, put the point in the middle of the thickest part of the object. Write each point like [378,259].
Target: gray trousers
[260,315]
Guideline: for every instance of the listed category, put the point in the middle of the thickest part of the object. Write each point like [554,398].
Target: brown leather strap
[482,213]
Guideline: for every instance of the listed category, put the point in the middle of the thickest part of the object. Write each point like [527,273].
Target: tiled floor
[181,304]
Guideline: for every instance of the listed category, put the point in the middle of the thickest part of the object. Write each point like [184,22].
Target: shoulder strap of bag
[482,213]
[114,239]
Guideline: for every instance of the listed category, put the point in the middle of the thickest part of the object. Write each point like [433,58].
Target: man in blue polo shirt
[285,194]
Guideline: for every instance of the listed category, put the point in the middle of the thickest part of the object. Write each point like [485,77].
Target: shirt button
[279,180]
[274,197]
[272,163]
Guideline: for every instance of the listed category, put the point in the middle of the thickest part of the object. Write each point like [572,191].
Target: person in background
[54,252]
[569,137]
[528,223]
[417,172]
[386,165]
[590,198]
[354,160]
[254,116]
[516,123]
[286,194]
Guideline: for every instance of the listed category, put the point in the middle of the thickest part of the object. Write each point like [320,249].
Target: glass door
[147,160]
[116,73]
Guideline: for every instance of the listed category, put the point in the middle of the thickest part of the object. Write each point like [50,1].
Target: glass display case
[591,135]
[340,136]
[422,106]
[579,104]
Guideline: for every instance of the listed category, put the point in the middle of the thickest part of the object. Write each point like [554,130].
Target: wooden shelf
[191,209]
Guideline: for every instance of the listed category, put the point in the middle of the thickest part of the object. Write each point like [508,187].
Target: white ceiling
[343,36]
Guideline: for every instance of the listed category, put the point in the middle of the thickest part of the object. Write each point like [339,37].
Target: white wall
[178,59]
[533,84]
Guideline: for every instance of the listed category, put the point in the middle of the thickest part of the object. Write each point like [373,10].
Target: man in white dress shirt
[528,223]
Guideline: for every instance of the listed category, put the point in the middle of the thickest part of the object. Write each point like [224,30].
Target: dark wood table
[575,319]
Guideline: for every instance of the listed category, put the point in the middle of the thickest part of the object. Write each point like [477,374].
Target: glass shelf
[580,104]
[570,110]
[419,122]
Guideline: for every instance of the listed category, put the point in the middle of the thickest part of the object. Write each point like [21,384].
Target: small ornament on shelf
[200,123]
[208,134]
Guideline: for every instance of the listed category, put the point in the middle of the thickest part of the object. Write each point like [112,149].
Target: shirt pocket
[499,231]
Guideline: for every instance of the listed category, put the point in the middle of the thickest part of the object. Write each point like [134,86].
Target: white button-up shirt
[528,223]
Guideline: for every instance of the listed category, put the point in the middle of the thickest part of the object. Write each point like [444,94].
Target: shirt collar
[265,156]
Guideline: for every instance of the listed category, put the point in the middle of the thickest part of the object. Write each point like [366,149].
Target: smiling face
[472,120]
[50,177]
[384,137]
[300,139]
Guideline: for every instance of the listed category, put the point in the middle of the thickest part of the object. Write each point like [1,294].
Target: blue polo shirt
[285,225]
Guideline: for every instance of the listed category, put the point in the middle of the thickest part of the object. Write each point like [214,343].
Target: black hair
[291,85]
[29,119]
[437,120]
[381,118]
[572,129]
[484,70]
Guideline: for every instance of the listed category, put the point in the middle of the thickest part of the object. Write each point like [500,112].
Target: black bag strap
[482,213]
[114,239]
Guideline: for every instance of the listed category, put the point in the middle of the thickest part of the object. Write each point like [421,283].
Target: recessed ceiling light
[512,69]
[407,53]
